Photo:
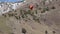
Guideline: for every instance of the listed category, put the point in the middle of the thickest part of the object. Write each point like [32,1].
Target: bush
[46,32]
[54,32]
[43,11]
[46,9]
[16,17]
[4,15]
[24,30]
[53,7]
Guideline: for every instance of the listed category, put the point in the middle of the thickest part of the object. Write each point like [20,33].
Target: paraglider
[31,7]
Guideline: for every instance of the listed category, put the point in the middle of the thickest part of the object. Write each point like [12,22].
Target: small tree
[24,30]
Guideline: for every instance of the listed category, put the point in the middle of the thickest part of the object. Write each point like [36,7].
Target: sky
[10,0]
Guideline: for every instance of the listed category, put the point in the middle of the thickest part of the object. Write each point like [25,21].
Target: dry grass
[3,27]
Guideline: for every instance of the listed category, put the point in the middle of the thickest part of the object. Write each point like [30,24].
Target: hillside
[44,18]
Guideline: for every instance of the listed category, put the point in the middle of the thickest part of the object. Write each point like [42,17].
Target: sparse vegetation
[44,2]
[37,20]
[36,5]
[24,14]
[45,9]
[4,15]
[10,15]
[25,17]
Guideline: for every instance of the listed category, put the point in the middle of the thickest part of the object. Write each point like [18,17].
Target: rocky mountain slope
[43,19]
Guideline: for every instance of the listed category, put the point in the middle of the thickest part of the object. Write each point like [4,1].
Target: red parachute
[31,7]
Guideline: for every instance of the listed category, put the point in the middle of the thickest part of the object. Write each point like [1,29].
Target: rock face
[6,7]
